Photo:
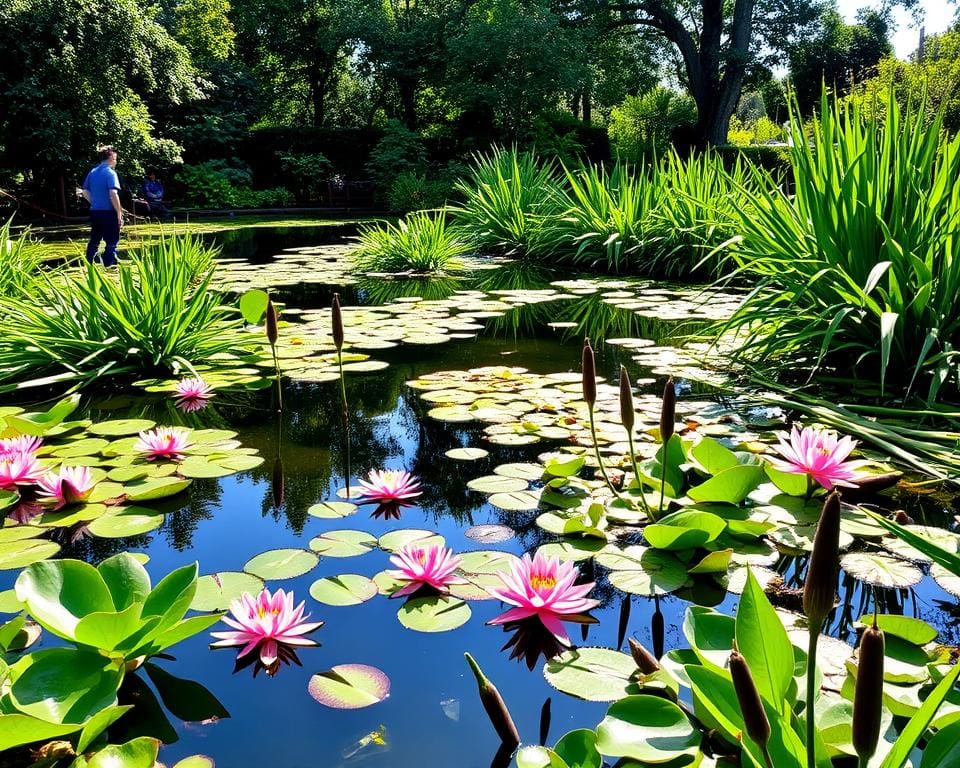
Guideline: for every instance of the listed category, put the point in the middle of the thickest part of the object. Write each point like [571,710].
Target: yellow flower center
[542,582]
[261,612]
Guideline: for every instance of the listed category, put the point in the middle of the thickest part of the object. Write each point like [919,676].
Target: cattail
[657,632]
[645,661]
[820,588]
[589,367]
[868,695]
[277,485]
[627,415]
[337,322]
[668,411]
[545,716]
[494,705]
[624,620]
[273,320]
[754,717]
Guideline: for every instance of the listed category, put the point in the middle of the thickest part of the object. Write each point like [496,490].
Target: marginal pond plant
[421,243]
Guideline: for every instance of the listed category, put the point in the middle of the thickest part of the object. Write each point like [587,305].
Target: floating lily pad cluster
[126,483]
[316,265]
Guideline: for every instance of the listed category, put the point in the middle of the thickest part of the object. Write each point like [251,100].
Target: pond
[433,715]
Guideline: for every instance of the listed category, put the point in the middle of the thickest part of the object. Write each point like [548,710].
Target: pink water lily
[18,469]
[820,455]
[69,485]
[265,623]
[432,566]
[10,446]
[192,394]
[163,443]
[390,486]
[543,587]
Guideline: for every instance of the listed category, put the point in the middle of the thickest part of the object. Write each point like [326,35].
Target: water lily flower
[192,394]
[543,587]
[10,446]
[265,623]
[390,486]
[68,486]
[163,443]
[818,454]
[432,566]
[19,469]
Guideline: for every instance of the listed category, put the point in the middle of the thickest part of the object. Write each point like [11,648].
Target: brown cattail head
[868,695]
[645,661]
[273,323]
[754,717]
[668,411]
[494,705]
[820,588]
[627,416]
[589,368]
[336,319]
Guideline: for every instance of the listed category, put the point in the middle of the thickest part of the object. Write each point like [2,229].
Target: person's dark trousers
[104,226]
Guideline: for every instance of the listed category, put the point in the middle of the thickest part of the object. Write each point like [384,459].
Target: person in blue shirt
[101,189]
[153,192]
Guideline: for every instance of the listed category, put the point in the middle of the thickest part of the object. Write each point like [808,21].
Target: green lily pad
[156,488]
[128,521]
[121,427]
[20,554]
[202,467]
[573,550]
[345,589]
[647,728]
[950,582]
[349,686]
[521,501]
[330,510]
[9,602]
[938,536]
[524,471]
[497,484]
[881,570]
[343,543]
[685,530]
[434,614]
[594,674]
[281,564]
[216,591]
[394,541]
[907,628]
[642,571]
[466,454]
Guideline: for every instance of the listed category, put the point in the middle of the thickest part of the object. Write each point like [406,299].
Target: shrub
[215,184]
[399,151]
[308,173]
[411,191]
[157,314]
[860,270]
[509,198]
[423,242]
[644,125]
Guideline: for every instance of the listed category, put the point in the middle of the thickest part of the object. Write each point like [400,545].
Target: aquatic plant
[21,258]
[495,706]
[422,242]
[425,566]
[265,624]
[389,486]
[859,270]
[509,201]
[19,444]
[192,390]
[18,469]
[543,588]
[818,454]
[68,485]
[163,443]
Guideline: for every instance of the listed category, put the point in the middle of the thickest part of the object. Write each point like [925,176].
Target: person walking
[101,189]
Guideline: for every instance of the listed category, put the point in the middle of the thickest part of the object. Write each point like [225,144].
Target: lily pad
[345,589]
[881,570]
[330,510]
[647,728]
[343,543]
[216,591]
[434,614]
[466,454]
[497,484]
[20,554]
[594,674]
[128,521]
[521,501]
[349,686]
[121,427]
[394,541]
[948,581]
[490,533]
[281,564]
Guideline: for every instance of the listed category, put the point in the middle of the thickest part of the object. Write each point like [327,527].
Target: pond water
[433,715]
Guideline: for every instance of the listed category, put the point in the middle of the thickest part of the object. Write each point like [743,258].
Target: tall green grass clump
[509,199]
[20,260]
[156,314]
[860,271]
[423,242]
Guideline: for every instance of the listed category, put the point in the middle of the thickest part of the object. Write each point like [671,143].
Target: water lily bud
[494,705]
[646,662]
[868,695]
[820,588]
[337,321]
[273,321]
[754,717]
[627,415]
[589,367]
[668,411]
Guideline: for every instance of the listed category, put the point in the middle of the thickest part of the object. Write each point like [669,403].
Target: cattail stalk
[646,662]
[336,330]
[627,417]
[868,694]
[494,705]
[668,416]
[588,368]
[273,333]
[819,592]
[755,720]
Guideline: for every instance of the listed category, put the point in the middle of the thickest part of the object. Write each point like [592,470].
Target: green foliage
[205,30]
[215,184]
[411,191]
[308,172]
[422,242]
[20,260]
[509,198]
[157,313]
[860,269]
[399,151]
[644,125]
